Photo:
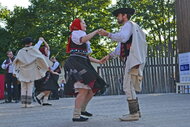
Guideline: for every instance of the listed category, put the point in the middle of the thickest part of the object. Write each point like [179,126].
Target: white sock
[40,95]
[45,99]
[76,113]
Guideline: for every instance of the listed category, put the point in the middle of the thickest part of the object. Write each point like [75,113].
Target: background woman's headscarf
[42,50]
[75,25]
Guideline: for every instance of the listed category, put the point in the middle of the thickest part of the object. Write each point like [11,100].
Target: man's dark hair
[128,16]
[27,40]
[9,51]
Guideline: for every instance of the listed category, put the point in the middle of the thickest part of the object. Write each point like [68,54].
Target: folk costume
[132,49]
[55,68]
[10,80]
[30,65]
[47,83]
[79,73]
[78,67]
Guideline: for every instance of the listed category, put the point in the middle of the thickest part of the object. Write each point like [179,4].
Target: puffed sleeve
[77,35]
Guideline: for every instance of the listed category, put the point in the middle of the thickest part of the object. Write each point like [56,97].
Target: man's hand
[104,59]
[103,32]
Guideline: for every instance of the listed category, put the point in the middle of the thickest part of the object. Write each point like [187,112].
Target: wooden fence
[159,73]
[161,69]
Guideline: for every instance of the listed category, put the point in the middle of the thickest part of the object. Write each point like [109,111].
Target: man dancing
[29,65]
[132,49]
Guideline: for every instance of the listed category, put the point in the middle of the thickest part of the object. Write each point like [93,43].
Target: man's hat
[129,11]
[27,40]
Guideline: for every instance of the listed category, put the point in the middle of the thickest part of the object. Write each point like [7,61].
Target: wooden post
[183,25]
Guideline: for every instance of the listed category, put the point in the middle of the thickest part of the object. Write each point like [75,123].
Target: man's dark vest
[125,49]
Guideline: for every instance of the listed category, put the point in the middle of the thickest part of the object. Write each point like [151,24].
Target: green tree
[51,19]
[157,17]
[5,36]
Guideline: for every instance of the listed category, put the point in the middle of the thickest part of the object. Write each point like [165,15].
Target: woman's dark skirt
[80,69]
[48,83]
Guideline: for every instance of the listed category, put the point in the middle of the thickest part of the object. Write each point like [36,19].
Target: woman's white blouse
[76,38]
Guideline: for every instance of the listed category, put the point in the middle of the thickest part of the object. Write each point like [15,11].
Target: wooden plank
[183,25]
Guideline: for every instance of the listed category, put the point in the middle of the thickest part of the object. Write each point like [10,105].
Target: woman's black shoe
[47,104]
[81,119]
[86,113]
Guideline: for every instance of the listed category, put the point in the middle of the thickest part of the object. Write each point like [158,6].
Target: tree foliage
[51,19]
[157,17]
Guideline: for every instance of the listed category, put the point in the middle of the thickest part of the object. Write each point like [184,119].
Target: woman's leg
[87,99]
[47,92]
[45,99]
[44,94]
[79,101]
[40,95]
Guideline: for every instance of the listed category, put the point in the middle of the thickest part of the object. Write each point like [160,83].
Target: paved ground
[158,110]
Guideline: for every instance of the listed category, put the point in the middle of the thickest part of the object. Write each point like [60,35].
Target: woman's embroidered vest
[78,49]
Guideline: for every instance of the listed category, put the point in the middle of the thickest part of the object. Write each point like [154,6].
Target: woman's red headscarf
[42,50]
[75,25]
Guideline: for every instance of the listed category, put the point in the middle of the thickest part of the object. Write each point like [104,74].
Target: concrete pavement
[158,110]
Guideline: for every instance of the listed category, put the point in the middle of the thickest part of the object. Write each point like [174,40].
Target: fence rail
[159,74]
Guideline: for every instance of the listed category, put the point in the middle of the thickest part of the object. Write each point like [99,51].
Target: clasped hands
[104,59]
[102,32]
